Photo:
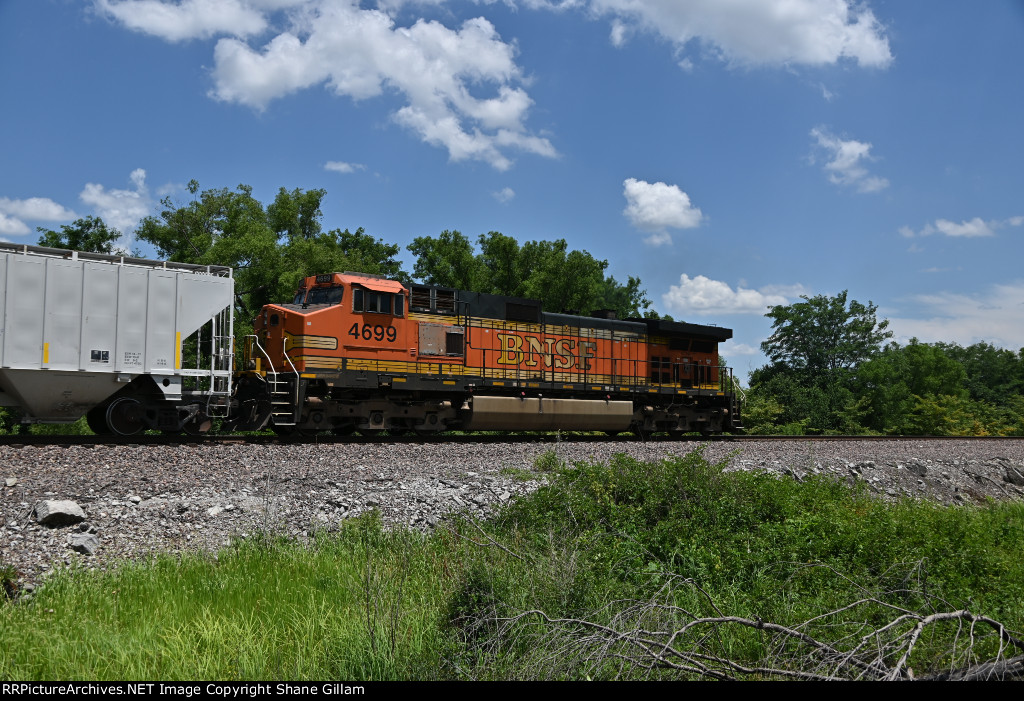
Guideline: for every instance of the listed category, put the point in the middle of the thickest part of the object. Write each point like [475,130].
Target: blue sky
[732,154]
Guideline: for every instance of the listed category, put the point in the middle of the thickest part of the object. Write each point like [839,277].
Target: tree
[822,335]
[563,280]
[994,374]
[86,234]
[892,384]
[447,261]
[271,249]
[815,348]
[502,260]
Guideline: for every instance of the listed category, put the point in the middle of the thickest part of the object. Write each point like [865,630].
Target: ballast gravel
[140,500]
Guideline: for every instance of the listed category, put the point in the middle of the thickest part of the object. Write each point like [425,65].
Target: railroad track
[19,440]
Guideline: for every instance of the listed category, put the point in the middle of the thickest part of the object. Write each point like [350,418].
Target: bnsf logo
[549,353]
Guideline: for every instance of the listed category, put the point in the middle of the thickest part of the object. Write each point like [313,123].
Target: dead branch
[653,637]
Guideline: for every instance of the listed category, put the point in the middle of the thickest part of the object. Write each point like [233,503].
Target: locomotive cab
[330,316]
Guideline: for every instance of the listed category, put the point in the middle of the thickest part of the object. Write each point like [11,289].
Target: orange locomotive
[358,352]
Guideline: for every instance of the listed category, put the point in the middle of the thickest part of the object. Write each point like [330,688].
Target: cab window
[377,302]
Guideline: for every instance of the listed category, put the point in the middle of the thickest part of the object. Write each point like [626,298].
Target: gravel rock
[56,513]
[200,497]
[84,543]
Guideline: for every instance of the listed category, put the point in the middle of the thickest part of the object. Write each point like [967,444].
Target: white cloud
[121,209]
[504,195]
[756,32]
[701,295]
[970,229]
[342,167]
[10,226]
[657,207]
[460,85]
[973,228]
[36,209]
[846,166]
[731,348]
[995,316]
[190,19]
[14,212]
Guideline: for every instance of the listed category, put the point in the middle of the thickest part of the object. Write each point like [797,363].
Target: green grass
[621,543]
[360,604]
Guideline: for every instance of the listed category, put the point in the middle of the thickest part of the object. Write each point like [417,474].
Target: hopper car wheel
[97,421]
[125,417]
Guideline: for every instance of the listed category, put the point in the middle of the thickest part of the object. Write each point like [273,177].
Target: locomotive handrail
[284,352]
[263,352]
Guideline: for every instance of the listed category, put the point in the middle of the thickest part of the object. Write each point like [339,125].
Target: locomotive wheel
[125,417]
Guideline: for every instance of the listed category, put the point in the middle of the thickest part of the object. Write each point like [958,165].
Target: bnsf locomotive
[354,352]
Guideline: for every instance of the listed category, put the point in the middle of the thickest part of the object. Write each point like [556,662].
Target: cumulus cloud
[190,19]
[462,87]
[753,32]
[702,295]
[973,228]
[846,165]
[504,195]
[995,315]
[657,207]
[13,214]
[36,209]
[121,209]
[343,167]
[10,226]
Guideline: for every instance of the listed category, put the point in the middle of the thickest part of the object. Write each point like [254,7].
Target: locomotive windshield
[321,295]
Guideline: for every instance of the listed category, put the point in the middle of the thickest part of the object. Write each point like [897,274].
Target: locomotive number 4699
[378,332]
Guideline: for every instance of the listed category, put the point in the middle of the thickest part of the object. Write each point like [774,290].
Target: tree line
[832,367]
[831,370]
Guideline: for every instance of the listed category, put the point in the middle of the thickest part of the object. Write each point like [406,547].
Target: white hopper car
[104,336]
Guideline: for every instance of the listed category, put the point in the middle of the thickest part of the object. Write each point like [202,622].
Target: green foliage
[994,375]
[563,280]
[370,603]
[816,347]
[828,375]
[271,249]
[86,234]
[447,261]
[600,538]
[359,604]
[822,335]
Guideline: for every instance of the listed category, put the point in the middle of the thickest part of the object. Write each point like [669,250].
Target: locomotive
[135,344]
[356,352]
